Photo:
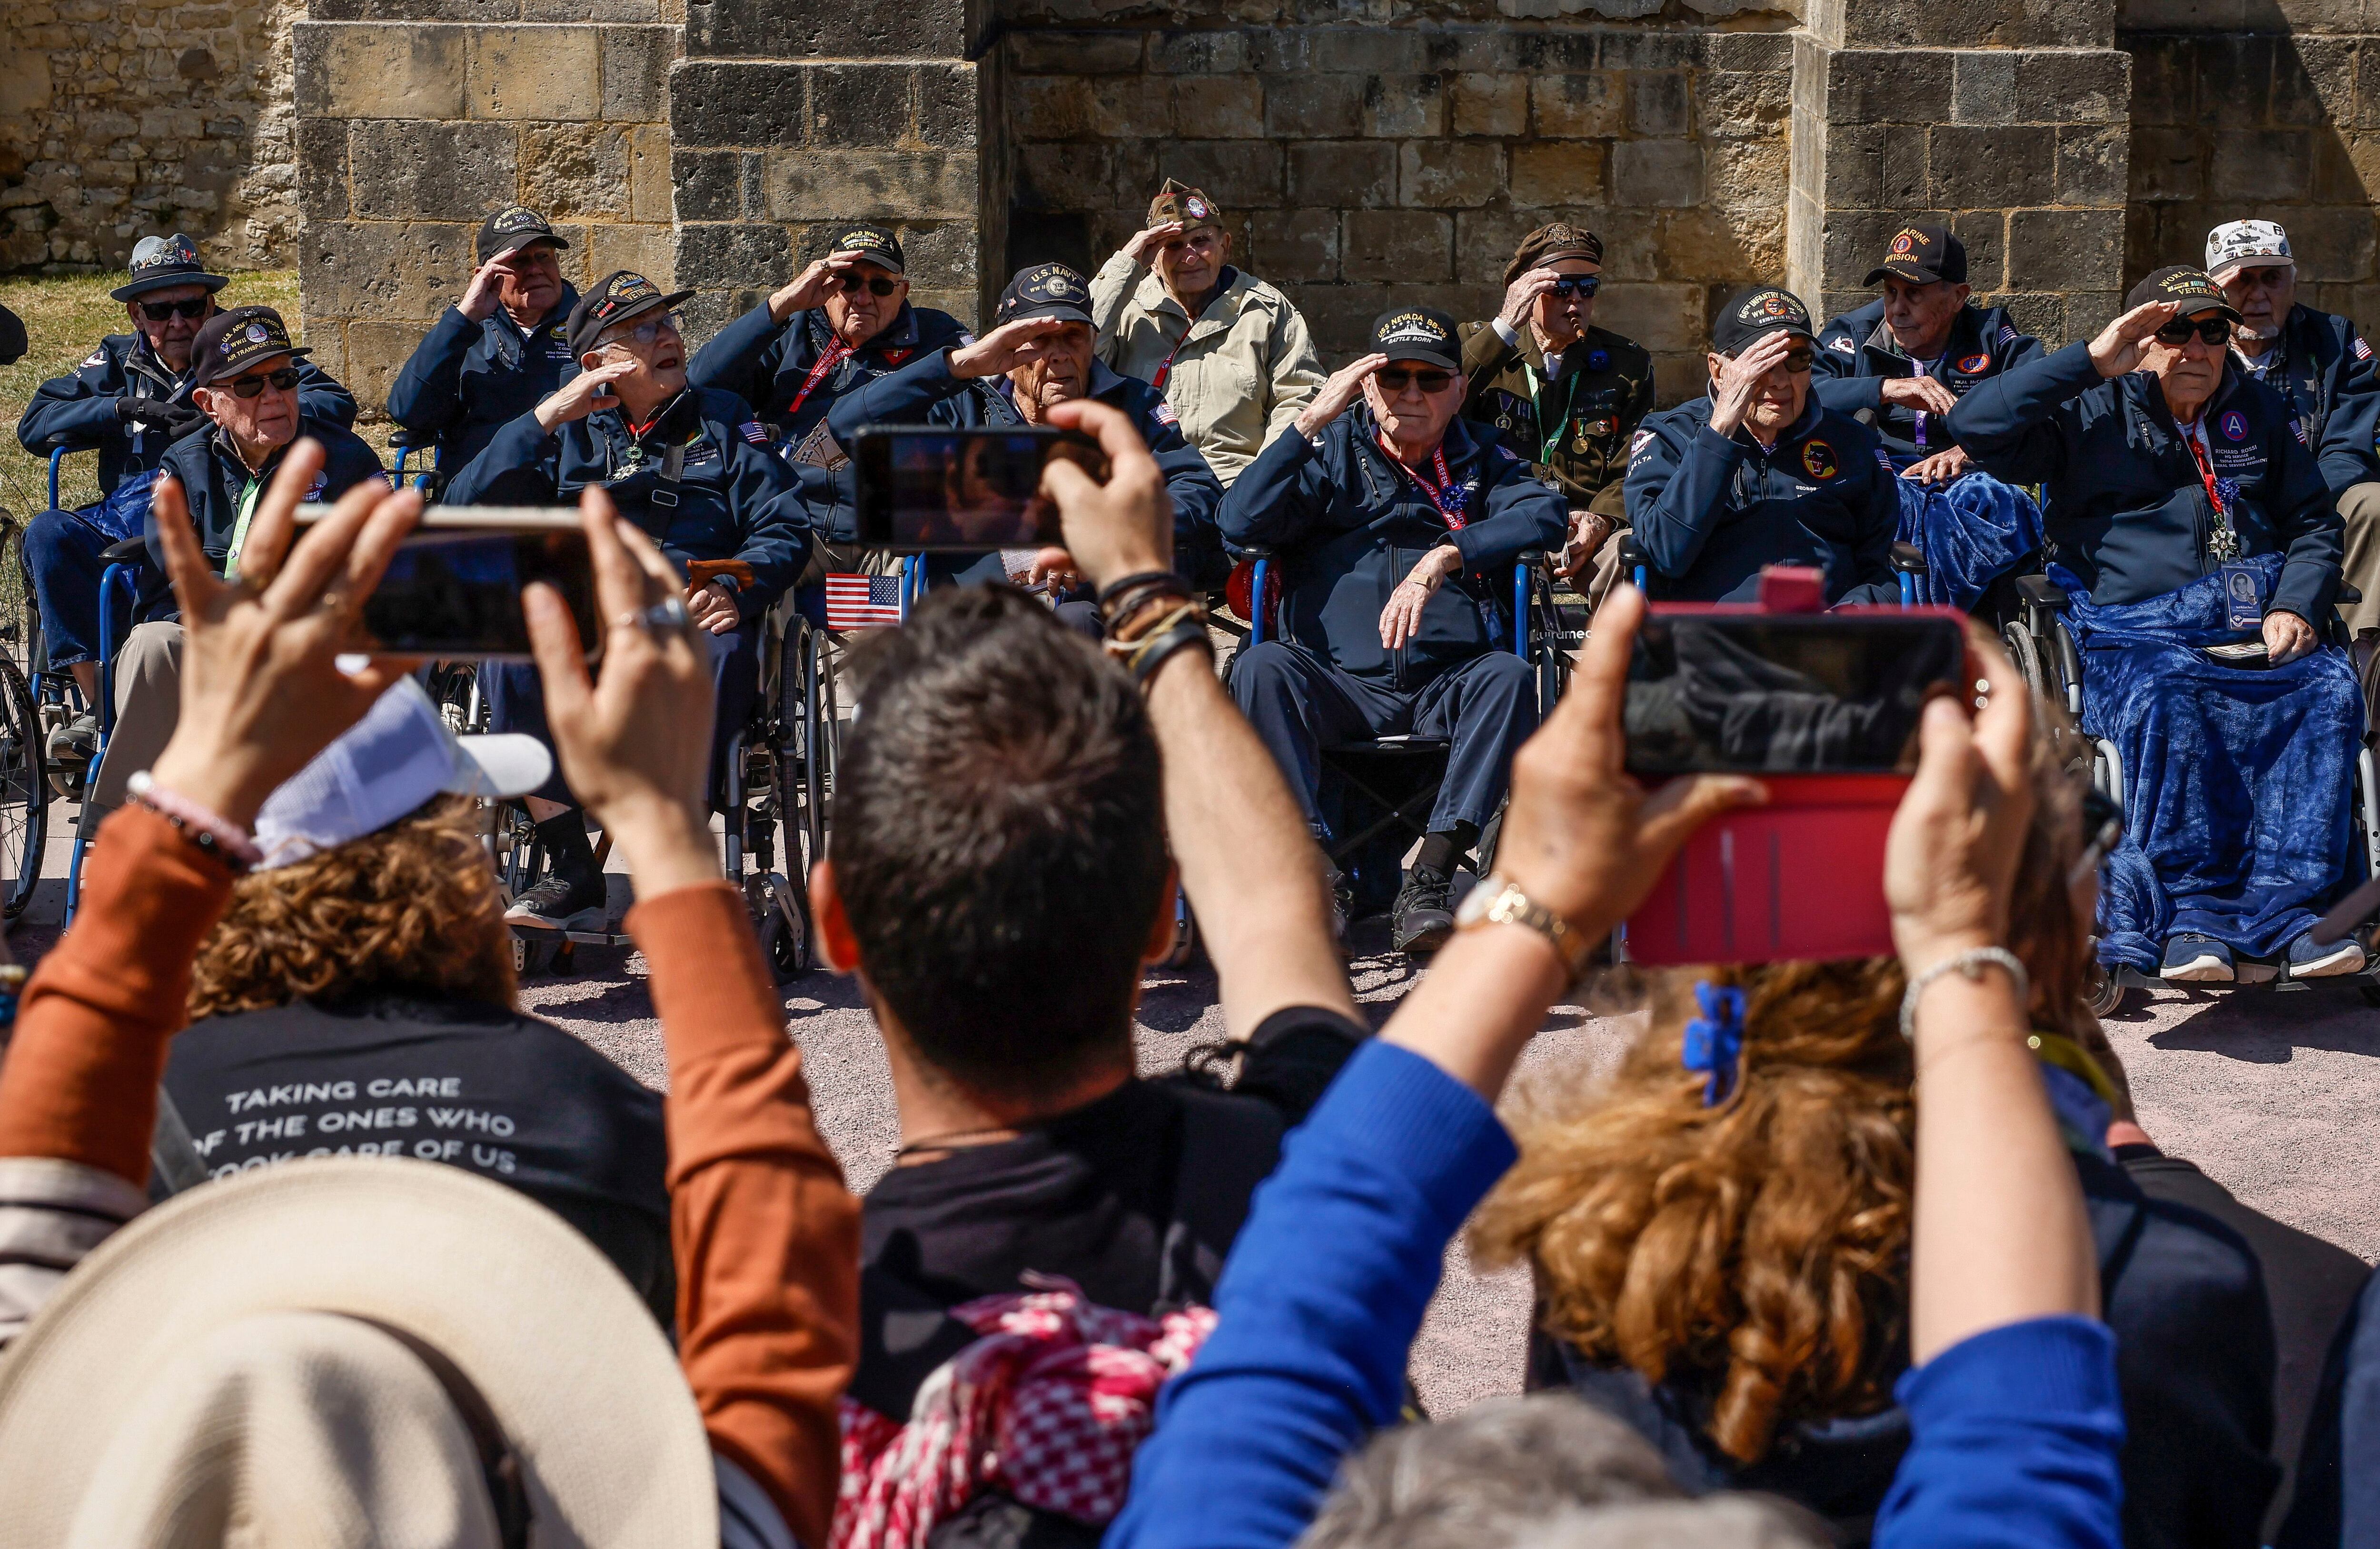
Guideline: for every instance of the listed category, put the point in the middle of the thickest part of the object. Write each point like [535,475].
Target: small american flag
[2363,350]
[1164,414]
[756,432]
[2008,334]
[862,602]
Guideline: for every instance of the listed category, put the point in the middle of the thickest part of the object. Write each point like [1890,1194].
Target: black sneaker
[559,904]
[75,741]
[1342,905]
[1423,921]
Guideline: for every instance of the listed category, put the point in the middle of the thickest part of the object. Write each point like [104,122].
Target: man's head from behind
[998,858]
[243,375]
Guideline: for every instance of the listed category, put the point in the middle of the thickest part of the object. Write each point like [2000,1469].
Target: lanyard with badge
[2243,589]
[835,354]
[1917,369]
[1444,494]
[1561,421]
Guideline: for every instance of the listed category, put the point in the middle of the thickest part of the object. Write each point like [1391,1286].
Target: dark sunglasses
[282,381]
[1576,285]
[1429,382]
[2214,330]
[158,311]
[879,286]
[1798,361]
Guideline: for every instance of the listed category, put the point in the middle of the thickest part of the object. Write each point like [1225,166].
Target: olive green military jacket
[1576,428]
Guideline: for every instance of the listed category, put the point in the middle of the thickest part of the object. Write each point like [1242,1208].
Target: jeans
[62,549]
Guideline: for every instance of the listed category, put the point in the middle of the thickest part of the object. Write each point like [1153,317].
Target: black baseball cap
[617,297]
[161,262]
[229,343]
[514,227]
[1045,290]
[875,243]
[2193,290]
[1422,333]
[1752,315]
[1921,255]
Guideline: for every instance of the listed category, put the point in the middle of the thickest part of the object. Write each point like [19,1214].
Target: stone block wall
[420,117]
[119,121]
[1366,167]
[2232,125]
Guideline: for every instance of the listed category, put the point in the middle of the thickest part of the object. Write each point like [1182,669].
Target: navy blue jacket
[733,499]
[81,407]
[1711,511]
[214,478]
[766,364]
[1348,523]
[2126,510]
[468,378]
[1856,354]
[925,393]
[2323,368]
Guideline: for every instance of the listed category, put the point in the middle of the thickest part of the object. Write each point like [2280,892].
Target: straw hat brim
[584,1386]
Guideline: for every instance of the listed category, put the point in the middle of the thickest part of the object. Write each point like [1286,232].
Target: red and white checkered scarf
[1049,1405]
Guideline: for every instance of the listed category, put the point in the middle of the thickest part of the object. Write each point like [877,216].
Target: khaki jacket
[1575,430]
[1244,369]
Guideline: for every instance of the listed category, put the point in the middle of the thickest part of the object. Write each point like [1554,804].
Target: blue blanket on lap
[2236,779]
[1973,531]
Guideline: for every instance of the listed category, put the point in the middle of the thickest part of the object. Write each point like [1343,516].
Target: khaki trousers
[2358,506]
[147,704]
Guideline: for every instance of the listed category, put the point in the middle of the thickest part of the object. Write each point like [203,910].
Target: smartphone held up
[929,488]
[452,589]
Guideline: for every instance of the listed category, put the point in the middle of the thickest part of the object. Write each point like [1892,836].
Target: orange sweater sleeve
[80,1081]
[764,1233]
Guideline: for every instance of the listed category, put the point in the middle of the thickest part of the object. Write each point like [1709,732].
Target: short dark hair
[999,839]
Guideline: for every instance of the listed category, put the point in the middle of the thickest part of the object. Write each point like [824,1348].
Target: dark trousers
[1300,705]
[62,549]
[516,701]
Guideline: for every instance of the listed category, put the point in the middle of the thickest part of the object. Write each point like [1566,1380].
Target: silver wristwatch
[1498,900]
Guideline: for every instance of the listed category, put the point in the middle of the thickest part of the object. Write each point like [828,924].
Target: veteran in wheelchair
[1394,527]
[2192,549]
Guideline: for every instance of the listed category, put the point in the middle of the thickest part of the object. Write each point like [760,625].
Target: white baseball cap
[2237,245]
[386,765]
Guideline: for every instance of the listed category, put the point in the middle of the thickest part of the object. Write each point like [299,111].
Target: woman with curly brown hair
[1720,1234]
[358,997]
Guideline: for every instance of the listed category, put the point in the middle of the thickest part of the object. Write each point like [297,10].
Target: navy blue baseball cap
[512,228]
[1422,333]
[617,297]
[161,262]
[1752,315]
[1045,290]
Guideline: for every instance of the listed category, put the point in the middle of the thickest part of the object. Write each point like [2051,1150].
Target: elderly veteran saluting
[2323,366]
[843,322]
[1228,352]
[1761,472]
[1561,392]
[1898,365]
[2189,525]
[685,464]
[493,354]
[1395,524]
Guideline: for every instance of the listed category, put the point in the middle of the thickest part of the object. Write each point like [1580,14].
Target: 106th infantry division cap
[1752,315]
[229,343]
[1422,333]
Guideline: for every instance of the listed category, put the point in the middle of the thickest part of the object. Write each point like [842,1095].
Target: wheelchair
[1383,789]
[421,449]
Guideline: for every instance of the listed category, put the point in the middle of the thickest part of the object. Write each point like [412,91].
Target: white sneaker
[2343,957]
[2193,959]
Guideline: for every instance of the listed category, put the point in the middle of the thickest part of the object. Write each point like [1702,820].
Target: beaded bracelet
[1146,603]
[1969,965]
[1116,589]
[213,834]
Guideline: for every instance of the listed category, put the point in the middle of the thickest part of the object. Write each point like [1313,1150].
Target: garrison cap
[2237,245]
[1189,206]
[513,227]
[229,343]
[1550,245]
[1044,290]
[875,243]
[1922,254]
[1752,315]
[617,297]
[161,262]
[2192,290]
[1422,333]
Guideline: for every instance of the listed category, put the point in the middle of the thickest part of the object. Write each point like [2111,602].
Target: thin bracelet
[1143,603]
[1969,964]
[1117,587]
[1129,650]
[1182,637]
[211,831]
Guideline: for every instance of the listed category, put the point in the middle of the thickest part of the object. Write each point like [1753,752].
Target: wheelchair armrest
[2042,592]
[405,438]
[1908,559]
[2349,595]
[130,550]
[57,443]
[1632,553]
[699,571]
[1253,551]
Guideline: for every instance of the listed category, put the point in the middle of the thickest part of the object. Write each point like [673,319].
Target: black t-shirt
[477,1086]
[1135,1198]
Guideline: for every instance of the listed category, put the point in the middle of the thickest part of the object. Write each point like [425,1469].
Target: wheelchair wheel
[24,791]
[2101,993]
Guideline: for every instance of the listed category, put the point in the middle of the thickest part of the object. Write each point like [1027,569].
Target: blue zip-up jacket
[2015,1431]
[81,407]
[214,478]
[731,498]
[766,364]
[1711,511]
[925,393]
[1348,523]
[2126,510]
[1856,354]
[467,377]
[2323,368]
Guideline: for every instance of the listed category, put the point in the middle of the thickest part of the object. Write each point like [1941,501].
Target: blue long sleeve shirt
[466,380]
[2015,1431]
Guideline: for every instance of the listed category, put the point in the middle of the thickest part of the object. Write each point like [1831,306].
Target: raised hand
[1740,378]
[811,287]
[583,395]
[1142,249]
[1344,386]
[1521,296]
[2121,345]
[1006,348]
[481,297]
[1919,393]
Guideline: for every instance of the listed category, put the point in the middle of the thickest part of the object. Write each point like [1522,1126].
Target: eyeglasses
[1429,382]
[1581,285]
[643,333]
[1798,361]
[158,311]
[2214,330]
[877,284]
[282,381]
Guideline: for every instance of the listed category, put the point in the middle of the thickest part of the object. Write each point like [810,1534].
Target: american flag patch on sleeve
[862,602]
[1163,413]
[2363,350]
[2008,334]
[2300,427]
[756,432]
